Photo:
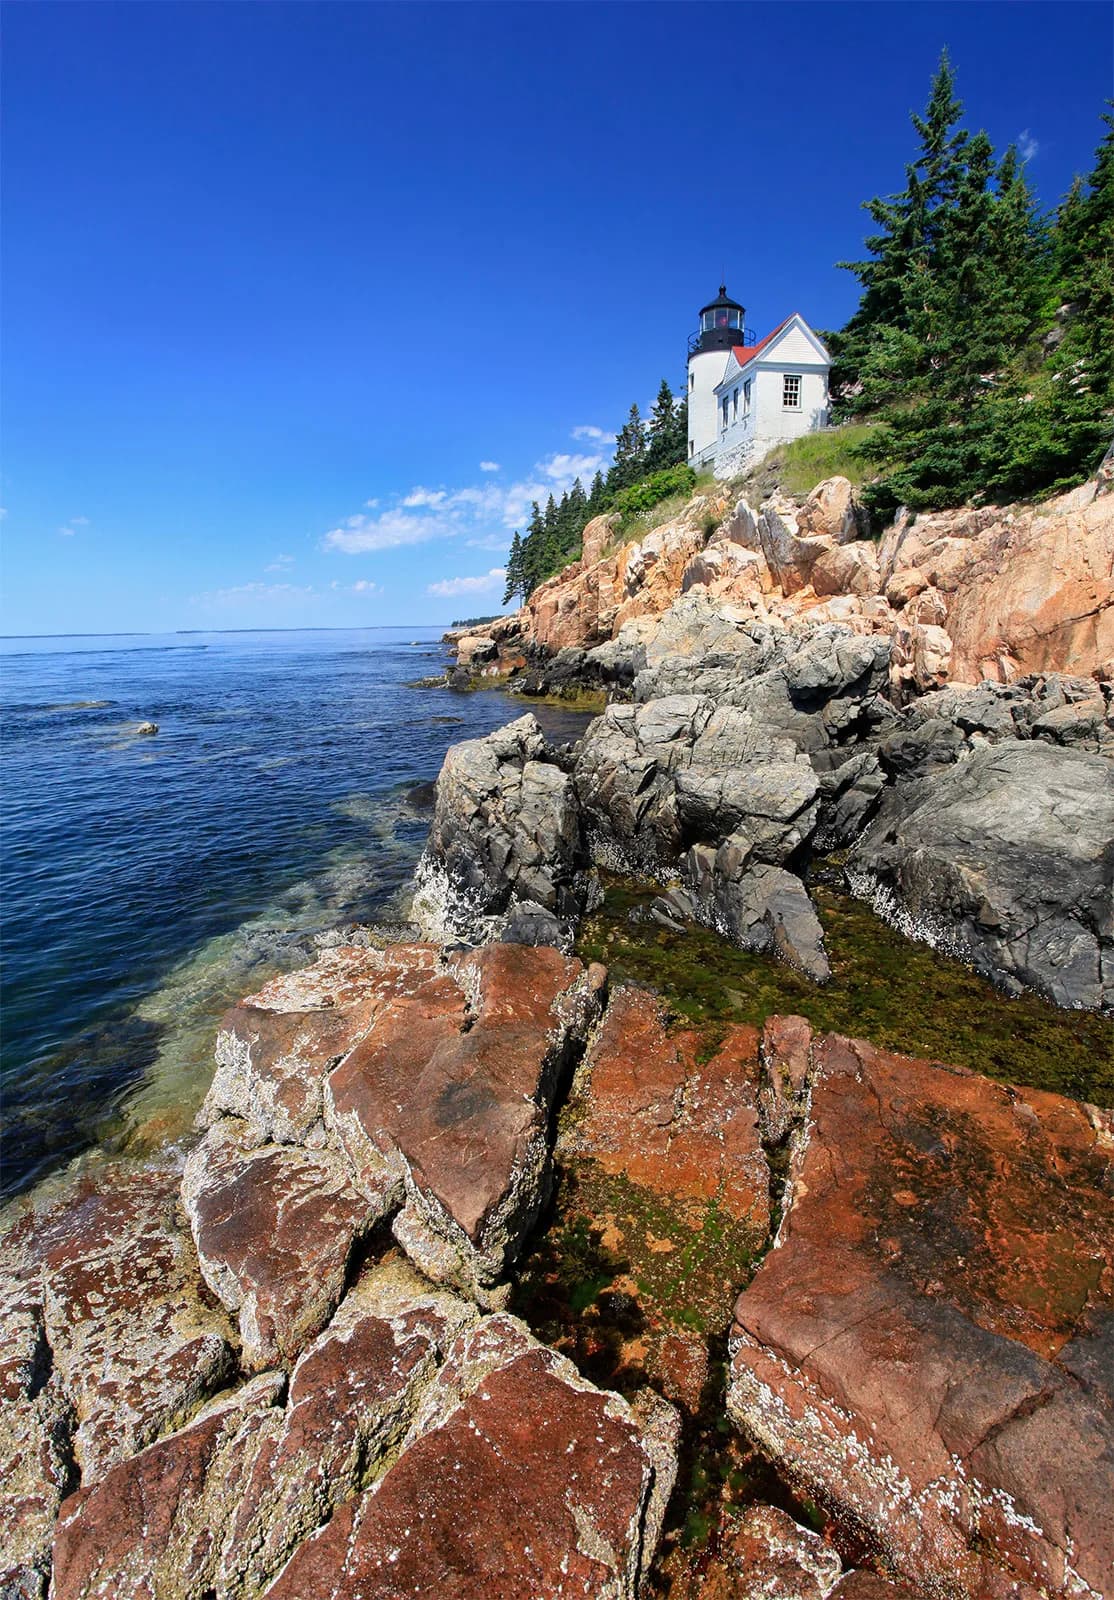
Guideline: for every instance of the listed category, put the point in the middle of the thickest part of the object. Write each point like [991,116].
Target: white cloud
[279,564]
[361,586]
[490,541]
[487,583]
[1027,146]
[587,431]
[564,469]
[388,531]
[269,593]
[482,515]
[72,526]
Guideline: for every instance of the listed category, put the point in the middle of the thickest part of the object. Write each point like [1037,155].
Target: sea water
[149,882]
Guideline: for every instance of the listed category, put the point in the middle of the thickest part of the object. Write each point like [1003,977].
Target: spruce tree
[630,453]
[533,552]
[875,355]
[660,443]
[515,579]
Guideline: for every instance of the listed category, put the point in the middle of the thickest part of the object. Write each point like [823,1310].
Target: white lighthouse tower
[721,329]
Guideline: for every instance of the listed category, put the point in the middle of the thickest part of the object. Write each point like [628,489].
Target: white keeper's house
[745,394]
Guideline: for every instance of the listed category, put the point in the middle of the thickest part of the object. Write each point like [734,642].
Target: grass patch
[797,467]
[639,523]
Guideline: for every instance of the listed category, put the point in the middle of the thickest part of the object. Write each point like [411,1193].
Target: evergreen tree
[630,453]
[680,443]
[515,571]
[597,496]
[874,355]
[662,429]
[533,553]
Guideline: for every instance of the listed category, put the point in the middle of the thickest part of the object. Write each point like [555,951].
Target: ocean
[149,882]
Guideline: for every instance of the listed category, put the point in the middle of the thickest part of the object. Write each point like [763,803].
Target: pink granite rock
[275,1049]
[517,1479]
[452,1089]
[926,1352]
[219,1506]
[274,1228]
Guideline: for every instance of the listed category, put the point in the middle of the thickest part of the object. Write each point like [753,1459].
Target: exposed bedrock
[989,592]
[106,1339]
[517,1478]
[365,1428]
[505,824]
[431,1102]
[926,1351]
[749,748]
[406,1432]
[1009,854]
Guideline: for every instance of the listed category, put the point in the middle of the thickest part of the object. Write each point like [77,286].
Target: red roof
[746,353]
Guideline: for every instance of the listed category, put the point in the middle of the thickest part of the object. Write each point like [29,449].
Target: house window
[746,397]
[692,447]
[791,391]
[692,379]
[725,411]
[735,405]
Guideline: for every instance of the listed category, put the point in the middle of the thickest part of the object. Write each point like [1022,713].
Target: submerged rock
[923,1352]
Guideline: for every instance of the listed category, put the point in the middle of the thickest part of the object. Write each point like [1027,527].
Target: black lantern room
[721,324]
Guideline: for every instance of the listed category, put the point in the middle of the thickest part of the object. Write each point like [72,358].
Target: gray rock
[757,906]
[148,728]
[1007,857]
[505,823]
[654,778]
[529,923]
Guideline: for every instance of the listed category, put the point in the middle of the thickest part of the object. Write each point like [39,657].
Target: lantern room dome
[721,324]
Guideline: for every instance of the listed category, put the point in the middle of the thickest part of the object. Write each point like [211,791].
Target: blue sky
[304,303]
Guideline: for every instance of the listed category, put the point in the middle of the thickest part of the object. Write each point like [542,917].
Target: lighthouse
[721,329]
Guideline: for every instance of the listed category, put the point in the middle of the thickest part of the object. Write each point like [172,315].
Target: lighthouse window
[791,392]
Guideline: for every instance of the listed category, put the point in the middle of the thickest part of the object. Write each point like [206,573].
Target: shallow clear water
[149,882]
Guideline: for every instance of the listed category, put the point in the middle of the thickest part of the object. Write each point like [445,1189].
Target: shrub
[680,479]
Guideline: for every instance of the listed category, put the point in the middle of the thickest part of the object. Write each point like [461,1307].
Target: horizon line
[157,633]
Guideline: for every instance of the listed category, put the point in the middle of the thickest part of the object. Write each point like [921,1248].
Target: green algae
[596,1282]
[886,989]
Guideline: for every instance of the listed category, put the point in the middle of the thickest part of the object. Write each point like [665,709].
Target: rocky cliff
[995,593]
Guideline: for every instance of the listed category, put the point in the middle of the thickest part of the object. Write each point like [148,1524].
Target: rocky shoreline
[488,1272]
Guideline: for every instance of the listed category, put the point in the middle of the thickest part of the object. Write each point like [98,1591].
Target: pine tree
[679,445]
[533,552]
[597,495]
